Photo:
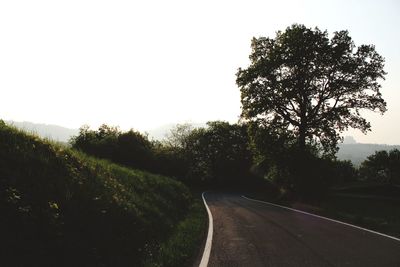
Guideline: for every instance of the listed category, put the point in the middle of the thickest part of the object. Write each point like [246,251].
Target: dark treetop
[315,87]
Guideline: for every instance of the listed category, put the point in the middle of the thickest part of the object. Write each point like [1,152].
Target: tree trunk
[302,133]
[302,138]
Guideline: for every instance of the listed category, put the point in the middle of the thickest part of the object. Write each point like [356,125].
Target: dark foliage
[382,167]
[129,148]
[311,86]
[219,154]
[132,149]
[303,172]
[216,155]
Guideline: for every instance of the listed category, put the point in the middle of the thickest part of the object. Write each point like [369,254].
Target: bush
[130,148]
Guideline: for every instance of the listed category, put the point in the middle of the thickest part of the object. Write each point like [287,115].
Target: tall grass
[185,241]
[60,207]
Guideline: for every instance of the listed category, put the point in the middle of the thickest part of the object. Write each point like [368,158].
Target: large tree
[312,86]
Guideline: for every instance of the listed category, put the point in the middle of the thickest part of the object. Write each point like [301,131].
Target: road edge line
[325,218]
[207,247]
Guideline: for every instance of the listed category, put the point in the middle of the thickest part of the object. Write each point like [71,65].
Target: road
[250,233]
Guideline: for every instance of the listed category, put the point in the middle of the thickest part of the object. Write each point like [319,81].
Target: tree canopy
[314,87]
[382,166]
[219,153]
[130,148]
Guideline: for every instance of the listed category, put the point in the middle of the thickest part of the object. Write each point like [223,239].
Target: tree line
[216,154]
[226,155]
[300,91]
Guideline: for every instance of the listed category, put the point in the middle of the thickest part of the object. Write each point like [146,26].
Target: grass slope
[62,208]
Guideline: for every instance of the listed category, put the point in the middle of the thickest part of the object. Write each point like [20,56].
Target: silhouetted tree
[305,83]
[170,161]
[219,153]
[134,149]
[178,136]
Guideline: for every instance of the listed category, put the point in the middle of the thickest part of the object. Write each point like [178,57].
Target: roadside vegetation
[375,212]
[214,156]
[185,243]
[250,158]
[61,207]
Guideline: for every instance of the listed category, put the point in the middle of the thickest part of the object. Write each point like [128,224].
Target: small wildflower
[53,205]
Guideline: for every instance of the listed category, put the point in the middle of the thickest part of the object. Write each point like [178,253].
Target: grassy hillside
[62,208]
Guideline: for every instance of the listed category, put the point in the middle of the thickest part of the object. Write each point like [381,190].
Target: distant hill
[357,152]
[54,132]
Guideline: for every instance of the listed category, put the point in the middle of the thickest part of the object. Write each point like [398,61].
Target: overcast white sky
[143,64]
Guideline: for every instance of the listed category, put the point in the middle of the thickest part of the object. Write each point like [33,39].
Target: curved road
[250,233]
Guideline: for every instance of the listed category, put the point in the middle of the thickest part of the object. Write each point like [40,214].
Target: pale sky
[142,64]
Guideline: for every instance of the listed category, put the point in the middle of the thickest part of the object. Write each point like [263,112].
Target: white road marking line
[325,218]
[207,247]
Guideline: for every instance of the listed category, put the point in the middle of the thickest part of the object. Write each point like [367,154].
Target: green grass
[373,207]
[60,207]
[382,215]
[185,241]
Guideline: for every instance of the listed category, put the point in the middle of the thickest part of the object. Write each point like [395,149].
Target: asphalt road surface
[249,233]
